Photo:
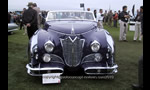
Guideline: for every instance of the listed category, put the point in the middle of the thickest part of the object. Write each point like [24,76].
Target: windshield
[75,15]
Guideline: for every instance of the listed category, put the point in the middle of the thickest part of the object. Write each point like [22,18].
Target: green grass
[127,55]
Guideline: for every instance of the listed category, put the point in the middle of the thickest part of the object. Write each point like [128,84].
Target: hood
[71,27]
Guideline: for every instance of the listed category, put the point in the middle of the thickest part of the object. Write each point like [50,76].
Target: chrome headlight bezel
[95,46]
[49,46]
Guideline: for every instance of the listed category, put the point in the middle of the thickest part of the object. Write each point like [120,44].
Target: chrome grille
[72,50]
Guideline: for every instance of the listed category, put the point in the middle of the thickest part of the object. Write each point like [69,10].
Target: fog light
[46,58]
[98,57]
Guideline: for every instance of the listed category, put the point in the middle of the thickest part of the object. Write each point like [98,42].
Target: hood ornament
[72,31]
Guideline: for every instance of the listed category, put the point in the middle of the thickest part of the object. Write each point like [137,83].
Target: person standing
[139,86]
[95,13]
[115,18]
[24,26]
[9,17]
[141,19]
[38,16]
[137,32]
[100,17]
[20,21]
[123,24]
[119,17]
[88,9]
[110,17]
[105,17]
[30,20]
[15,18]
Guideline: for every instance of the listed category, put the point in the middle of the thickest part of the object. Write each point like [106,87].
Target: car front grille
[72,50]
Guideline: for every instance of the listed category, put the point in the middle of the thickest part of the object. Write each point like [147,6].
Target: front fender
[98,35]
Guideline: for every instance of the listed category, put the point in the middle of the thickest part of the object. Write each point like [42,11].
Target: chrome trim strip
[114,67]
[57,57]
[61,41]
[32,74]
[95,41]
[83,42]
[57,62]
[73,39]
[29,69]
[113,72]
[47,68]
[49,41]
[12,30]
[87,56]
[84,61]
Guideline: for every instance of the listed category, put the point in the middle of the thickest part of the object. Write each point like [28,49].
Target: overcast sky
[75,4]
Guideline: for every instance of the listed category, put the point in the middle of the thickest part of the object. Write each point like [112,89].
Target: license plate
[51,78]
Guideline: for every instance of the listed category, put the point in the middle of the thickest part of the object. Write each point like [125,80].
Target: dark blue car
[71,41]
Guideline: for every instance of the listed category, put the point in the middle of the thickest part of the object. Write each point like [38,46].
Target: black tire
[10,33]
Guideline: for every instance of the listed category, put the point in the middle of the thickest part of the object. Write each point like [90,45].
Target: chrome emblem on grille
[72,31]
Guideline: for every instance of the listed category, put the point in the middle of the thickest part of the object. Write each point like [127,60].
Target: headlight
[46,58]
[49,46]
[95,46]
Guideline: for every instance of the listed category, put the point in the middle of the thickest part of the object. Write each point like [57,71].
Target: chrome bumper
[12,30]
[98,70]
[31,70]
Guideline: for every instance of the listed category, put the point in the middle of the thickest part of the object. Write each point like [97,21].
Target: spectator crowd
[123,19]
[32,19]
[26,16]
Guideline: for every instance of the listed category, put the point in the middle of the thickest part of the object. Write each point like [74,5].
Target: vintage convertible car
[70,41]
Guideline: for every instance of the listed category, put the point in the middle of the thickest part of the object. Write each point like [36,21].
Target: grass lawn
[127,56]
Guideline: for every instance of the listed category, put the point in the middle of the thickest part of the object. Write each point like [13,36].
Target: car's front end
[71,46]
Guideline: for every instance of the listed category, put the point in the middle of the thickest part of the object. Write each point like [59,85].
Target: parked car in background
[71,41]
[131,24]
[12,27]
